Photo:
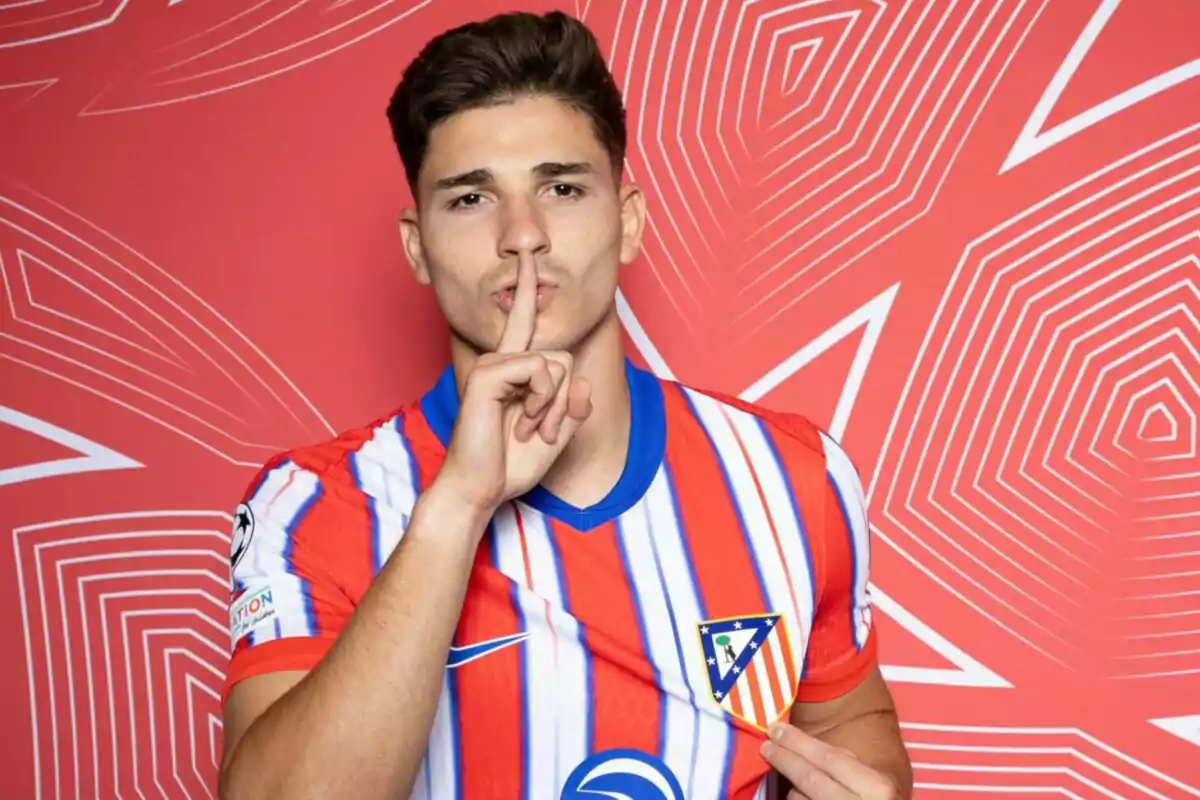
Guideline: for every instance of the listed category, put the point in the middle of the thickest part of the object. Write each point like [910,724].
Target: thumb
[566,432]
[579,408]
[579,400]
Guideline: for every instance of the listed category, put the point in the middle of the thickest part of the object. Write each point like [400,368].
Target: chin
[573,336]
[566,340]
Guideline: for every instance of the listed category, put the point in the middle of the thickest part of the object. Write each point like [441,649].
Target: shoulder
[377,459]
[804,450]
[330,508]
[786,429]
[820,474]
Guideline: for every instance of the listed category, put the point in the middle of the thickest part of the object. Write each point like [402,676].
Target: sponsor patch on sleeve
[250,611]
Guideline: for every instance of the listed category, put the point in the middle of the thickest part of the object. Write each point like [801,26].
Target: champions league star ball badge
[243,532]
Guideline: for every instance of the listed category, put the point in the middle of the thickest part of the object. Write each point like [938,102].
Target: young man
[553,574]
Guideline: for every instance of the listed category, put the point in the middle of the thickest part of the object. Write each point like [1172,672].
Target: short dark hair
[499,60]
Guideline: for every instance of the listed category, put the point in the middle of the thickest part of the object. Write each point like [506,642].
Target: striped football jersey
[637,647]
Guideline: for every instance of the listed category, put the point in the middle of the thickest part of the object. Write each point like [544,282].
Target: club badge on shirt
[750,668]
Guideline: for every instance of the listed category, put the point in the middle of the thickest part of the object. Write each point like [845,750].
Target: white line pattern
[963,234]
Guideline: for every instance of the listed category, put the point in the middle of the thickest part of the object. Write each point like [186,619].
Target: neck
[591,464]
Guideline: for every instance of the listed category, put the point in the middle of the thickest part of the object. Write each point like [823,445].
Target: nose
[523,230]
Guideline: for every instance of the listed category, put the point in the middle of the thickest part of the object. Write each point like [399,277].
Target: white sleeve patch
[250,611]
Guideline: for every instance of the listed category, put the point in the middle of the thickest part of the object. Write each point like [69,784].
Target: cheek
[456,289]
[457,256]
[450,240]
[587,233]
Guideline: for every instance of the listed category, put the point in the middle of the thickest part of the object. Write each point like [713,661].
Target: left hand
[820,771]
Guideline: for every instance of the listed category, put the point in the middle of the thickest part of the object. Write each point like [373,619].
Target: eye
[466,200]
[567,190]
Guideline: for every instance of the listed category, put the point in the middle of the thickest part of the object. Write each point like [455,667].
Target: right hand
[519,409]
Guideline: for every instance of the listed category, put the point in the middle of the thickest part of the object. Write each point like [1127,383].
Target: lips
[510,290]
[545,293]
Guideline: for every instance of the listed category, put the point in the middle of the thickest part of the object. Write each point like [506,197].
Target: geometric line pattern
[261,41]
[871,318]
[93,457]
[1186,727]
[950,760]
[1034,138]
[23,24]
[966,670]
[822,167]
[80,306]
[1026,407]
[1006,474]
[126,633]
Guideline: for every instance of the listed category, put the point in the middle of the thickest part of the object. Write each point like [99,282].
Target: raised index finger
[522,317]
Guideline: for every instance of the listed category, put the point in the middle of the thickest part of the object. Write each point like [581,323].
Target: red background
[960,235]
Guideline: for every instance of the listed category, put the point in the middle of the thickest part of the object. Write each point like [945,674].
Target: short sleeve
[842,643]
[286,606]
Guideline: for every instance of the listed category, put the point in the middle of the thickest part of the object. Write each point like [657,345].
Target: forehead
[510,137]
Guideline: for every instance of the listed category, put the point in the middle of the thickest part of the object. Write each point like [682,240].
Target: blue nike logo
[463,655]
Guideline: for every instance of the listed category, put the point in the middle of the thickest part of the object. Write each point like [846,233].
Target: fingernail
[776,732]
[766,749]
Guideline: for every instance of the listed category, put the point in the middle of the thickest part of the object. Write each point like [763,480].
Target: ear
[633,220]
[410,236]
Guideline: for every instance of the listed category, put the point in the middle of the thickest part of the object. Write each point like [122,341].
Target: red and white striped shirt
[643,643]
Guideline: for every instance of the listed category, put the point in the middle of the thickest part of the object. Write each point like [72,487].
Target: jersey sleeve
[842,643]
[286,607]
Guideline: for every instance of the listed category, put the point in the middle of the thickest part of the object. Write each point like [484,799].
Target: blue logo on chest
[622,774]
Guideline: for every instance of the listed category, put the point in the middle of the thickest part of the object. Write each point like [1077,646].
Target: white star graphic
[718,695]
[770,622]
[753,644]
[737,625]
[736,670]
[704,629]
[712,662]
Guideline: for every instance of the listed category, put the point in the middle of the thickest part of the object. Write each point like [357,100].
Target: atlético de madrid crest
[750,667]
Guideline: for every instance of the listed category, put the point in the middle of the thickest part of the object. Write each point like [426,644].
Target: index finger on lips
[522,317]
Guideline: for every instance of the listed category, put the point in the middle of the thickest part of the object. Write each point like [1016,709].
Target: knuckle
[562,358]
[834,755]
[807,782]
[486,360]
[486,368]
[888,789]
[528,363]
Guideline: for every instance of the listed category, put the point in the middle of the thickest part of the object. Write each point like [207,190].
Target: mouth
[545,292]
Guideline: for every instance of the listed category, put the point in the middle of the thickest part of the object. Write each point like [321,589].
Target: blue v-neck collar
[647,445]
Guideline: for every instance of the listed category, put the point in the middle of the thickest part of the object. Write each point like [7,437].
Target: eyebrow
[484,176]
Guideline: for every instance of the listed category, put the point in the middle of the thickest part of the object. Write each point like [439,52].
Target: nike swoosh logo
[470,652]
